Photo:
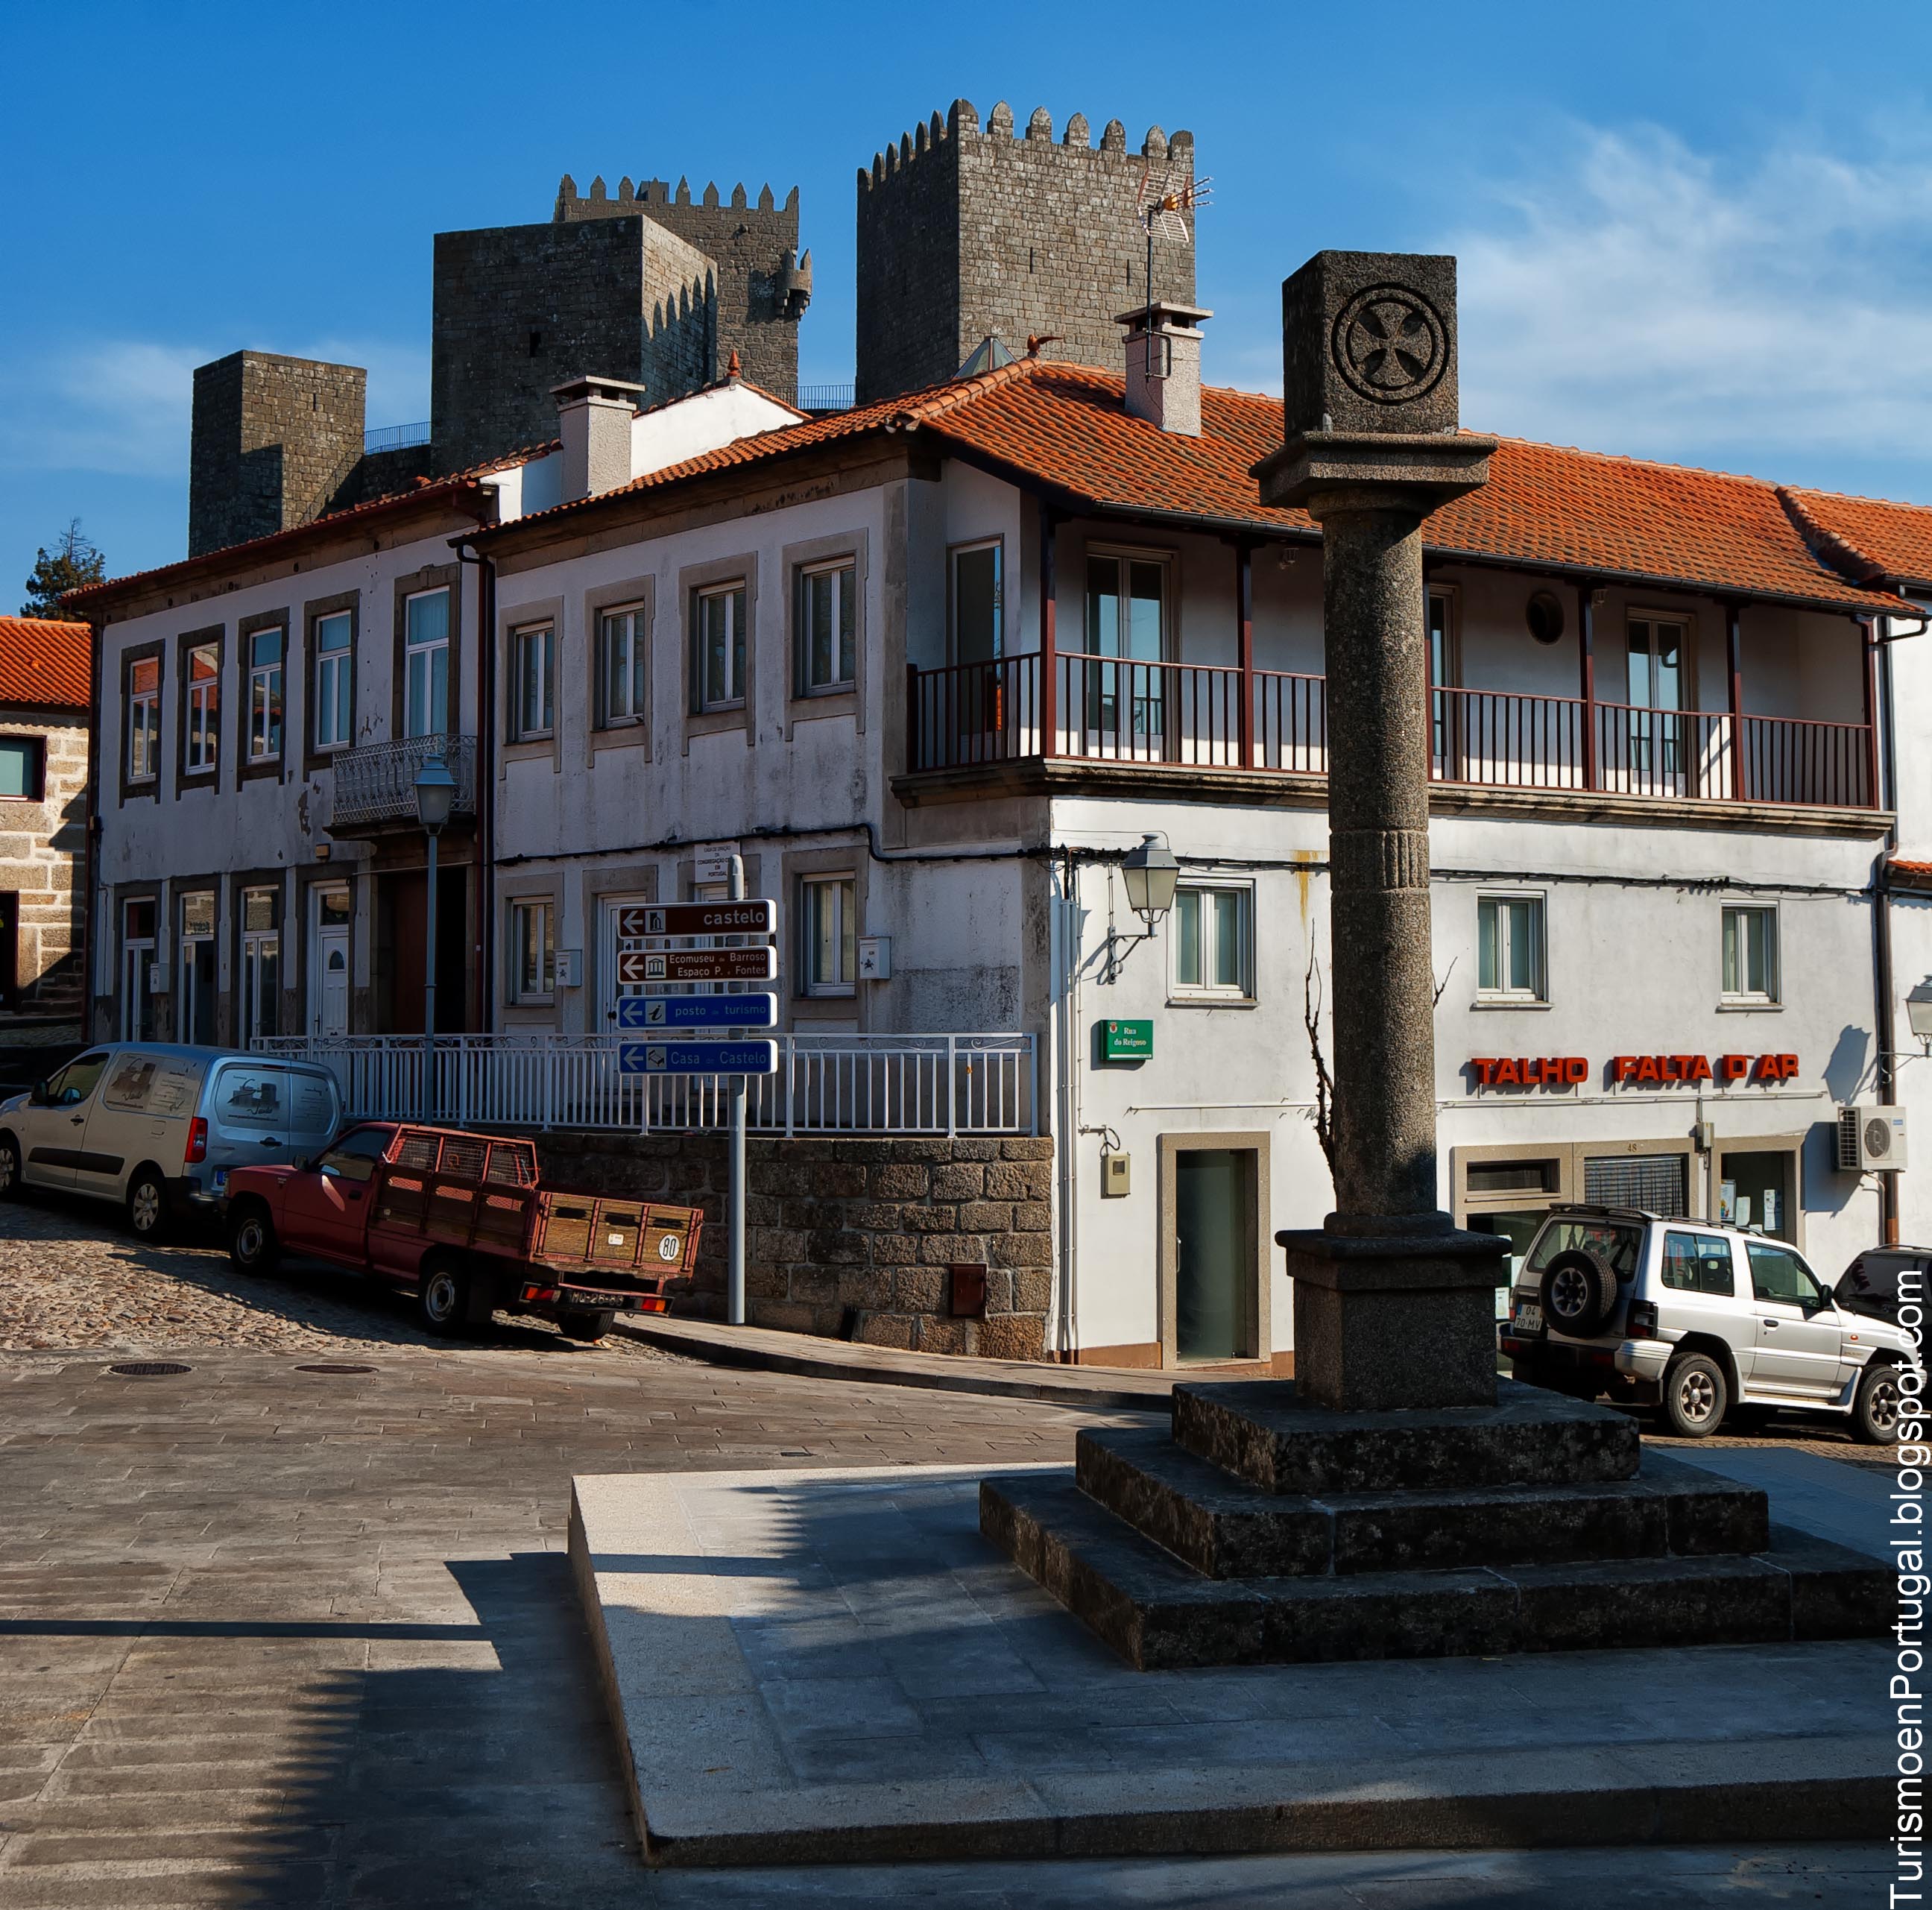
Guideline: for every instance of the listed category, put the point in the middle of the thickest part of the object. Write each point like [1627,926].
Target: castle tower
[647,288]
[965,231]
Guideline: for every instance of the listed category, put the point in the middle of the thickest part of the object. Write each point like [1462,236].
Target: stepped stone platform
[1260,1531]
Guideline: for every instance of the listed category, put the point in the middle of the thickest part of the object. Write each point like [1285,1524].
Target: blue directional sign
[698,1058]
[671,1011]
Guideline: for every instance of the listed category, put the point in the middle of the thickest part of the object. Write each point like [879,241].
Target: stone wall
[274,440]
[964,231]
[39,844]
[854,1239]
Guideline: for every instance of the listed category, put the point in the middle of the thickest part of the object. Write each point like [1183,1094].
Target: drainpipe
[1878,660]
[486,781]
[90,868]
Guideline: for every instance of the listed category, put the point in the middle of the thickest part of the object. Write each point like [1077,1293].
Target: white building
[934,666]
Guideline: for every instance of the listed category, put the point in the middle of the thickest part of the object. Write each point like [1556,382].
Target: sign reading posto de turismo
[1652,1071]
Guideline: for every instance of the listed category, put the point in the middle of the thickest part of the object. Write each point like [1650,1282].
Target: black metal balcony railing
[377,783]
[1119,711]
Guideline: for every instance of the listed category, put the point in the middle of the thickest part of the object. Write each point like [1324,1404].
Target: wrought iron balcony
[376,786]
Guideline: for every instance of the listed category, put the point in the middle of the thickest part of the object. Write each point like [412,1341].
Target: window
[204,710]
[1211,942]
[1126,618]
[1509,948]
[144,719]
[1750,955]
[23,768]
[1698,1263]
[426,664]
[264,695]
[827,643]
[977,605]
[137,967]
[75,1081]
[533,970]
[354,1156]
[1778,1274]
[717,622]
[196,1020]
[334,679]
[829,916]
[531,652]
[620,665]
[1659,655]
[261,962]
[1445,710]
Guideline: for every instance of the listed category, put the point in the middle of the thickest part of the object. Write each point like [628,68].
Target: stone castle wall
[42,845]
[274,440]
[965,231]
[852,1238]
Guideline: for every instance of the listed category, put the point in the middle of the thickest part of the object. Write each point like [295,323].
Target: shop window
[826,626]
[1510,963]
[829,915]
[533,946]
[1750,956]
[1212,942]
[1514,1177]
[1699,1263]
[1659,1183]
[621,661]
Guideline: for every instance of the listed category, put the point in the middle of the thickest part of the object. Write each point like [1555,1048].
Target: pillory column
[1393,1307]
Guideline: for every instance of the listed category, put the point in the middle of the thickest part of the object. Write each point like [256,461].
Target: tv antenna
[1164,207]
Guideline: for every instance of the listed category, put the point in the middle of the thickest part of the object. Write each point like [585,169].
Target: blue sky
[1700,233]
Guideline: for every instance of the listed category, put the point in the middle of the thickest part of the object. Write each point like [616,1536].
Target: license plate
[1528,1317]
[221,1180]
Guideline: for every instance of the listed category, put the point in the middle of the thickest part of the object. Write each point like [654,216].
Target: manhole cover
[149,1369]
[324,1366]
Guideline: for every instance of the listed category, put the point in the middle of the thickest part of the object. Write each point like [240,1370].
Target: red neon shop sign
[1655,1070]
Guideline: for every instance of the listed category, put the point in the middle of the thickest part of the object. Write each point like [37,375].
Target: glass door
[1214,1259]
[1127,623]
[1657,662]
[197,1021]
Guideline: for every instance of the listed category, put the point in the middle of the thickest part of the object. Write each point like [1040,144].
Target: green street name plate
[1127,1041]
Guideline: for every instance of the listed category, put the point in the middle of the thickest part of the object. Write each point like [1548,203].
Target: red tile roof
[1066,427]
[1879,538]
[299,535]
[43,662]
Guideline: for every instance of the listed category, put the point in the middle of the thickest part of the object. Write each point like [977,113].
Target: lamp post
[435,795]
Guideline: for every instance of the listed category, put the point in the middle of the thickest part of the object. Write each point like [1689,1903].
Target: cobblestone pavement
[71,1276]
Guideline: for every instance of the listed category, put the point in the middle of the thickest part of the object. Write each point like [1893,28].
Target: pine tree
[73,560]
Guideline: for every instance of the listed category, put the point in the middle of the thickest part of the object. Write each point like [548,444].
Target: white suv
[1702,1319]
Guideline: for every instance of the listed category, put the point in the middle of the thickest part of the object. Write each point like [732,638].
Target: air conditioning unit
[1871,1139]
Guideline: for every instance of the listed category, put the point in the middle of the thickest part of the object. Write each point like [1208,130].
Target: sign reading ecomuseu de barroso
[671,1011]
[636,966]
[698,1058]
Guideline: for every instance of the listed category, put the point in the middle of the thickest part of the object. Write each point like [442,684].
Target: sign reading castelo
[1659,1070]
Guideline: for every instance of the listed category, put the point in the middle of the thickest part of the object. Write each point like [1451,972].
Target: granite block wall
[854,1239]
[43,846]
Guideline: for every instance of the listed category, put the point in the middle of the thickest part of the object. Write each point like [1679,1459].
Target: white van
[157,1128]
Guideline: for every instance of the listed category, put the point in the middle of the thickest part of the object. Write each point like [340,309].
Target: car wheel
[442,1299]
[587,1324]
[1579,1293]
[1875,1407]
[148,1204]
[10,1166]
[1695,1396]
[252,1244]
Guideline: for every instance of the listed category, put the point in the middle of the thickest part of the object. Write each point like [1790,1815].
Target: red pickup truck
[459,1220]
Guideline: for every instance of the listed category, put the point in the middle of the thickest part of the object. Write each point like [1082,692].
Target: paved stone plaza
[275,1638]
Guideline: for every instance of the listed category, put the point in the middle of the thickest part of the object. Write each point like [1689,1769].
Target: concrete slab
[1848,1504]
[835,1668]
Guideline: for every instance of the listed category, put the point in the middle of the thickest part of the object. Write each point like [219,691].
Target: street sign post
[641,965]
[698,1058]
[674,1011]
[683,918]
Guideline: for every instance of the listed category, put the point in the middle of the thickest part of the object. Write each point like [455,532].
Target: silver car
[156,1128]
[1706,1321]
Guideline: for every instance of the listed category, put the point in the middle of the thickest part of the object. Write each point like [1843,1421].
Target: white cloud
[123,406]
[1633,295]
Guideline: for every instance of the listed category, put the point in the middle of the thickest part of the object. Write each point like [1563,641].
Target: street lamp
[436,796]
[1151,874]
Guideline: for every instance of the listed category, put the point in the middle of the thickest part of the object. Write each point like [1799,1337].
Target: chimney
[1164,364]
[594,420]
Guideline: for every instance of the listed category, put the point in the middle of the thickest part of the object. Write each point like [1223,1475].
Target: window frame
[954,552]
[811,985]
[257,677]
[340,666]
[523,638]
[637,672]
[143,781]
[201,696]
[1204,992]
[33,751]
[1503,994]
[1771,997]
[1122,556]
[137,1005]
[416,591]
[737,646]
[254,944]
[522,993]
[184,942]
[845,571]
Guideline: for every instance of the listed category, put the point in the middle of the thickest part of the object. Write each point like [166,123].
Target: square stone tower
[274,439]
[964,231]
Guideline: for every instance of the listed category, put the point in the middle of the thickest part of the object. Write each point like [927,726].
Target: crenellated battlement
[647,196]
[962,122]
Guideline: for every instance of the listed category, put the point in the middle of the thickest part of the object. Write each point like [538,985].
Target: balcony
[375,787]
[1215,716]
